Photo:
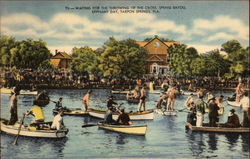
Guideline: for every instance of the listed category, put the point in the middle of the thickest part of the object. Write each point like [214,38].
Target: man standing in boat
[141,106]
[13,106]
[239,91]
[85,100]
[200,111]
[213,112]
[171,93]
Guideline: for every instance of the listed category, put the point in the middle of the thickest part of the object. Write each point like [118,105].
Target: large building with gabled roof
[158,55]
[61,60]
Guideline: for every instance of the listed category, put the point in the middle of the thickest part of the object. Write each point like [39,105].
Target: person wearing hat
[213,112]
[13,106]
[123,118]
[233,120]
[58,121]
[111,102]
[85,100]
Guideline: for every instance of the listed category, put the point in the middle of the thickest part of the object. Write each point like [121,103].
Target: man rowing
[13,106]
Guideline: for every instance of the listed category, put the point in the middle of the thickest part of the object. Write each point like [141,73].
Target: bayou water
[166,135]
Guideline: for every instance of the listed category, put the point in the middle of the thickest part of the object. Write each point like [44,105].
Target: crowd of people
[61,78]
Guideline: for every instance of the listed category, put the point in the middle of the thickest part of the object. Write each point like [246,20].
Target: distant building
[61,60]
[158,56]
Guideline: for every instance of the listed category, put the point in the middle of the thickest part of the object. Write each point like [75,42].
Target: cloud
[232,27]
[204,48]
[220,35]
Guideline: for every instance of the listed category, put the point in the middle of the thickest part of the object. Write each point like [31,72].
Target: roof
[61,55]
[55,62]
[155,58]
[144,43]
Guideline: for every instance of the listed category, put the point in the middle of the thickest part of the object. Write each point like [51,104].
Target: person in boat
[13,106]
[130,95]
[123,118]
[190,101]
[213,112]
[85,100]
[141,106]
[59,104]
[244,104]
[219,102]
[171,93]
[209,96]
[111,102]
[200,111]
[43,96]
[108,118]
[58,121]
[191,117]
[136,92]
[200,92]
[239,92]
[161,100]
[233,120]
[37,112]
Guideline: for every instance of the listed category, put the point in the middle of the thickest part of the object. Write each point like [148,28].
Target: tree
[122,58]
[85,59]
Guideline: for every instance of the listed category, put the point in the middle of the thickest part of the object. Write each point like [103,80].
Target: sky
[204,25]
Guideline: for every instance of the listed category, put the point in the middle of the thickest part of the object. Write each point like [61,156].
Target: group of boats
[46,132]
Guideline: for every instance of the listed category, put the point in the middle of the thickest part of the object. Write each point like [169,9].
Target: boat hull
[25,131]
[165,113]
[233,103]
[218,129]
[22,92]
[119,92]
[146,115]
[73,112]
[135,130]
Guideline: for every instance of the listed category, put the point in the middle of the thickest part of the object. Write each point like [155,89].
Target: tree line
[127,59]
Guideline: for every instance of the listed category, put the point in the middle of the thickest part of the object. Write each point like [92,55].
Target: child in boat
[233,120]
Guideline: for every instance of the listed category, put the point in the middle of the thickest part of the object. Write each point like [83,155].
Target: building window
[156,44]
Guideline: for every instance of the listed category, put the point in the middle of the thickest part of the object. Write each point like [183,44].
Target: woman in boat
[13,106]
[85,100]
[213,112]
[233,120]
[123,118]
[189,103]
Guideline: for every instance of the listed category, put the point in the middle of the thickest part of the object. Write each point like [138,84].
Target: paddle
[19,129]
[89,125]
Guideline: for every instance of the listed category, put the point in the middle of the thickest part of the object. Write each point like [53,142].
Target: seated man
[123,118]
[110,102]
[58,121]
[37,112]
[59,104]
[233,120]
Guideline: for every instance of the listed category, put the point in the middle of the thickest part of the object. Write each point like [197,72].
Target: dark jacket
[233,121]
[123,119]
[213,110]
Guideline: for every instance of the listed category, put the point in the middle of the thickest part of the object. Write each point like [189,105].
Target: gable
[61,55]
[155,58]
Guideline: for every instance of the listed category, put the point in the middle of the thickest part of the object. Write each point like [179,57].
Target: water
[166,136]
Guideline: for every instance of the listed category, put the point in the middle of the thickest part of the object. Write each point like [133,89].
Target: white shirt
[244,102]
[57,122]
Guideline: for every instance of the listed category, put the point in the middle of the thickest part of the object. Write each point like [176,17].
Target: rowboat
[154,92]
[127,129]
[145,115]
[22,92]
[165,113]
[219,129]
[31,131]
[187,93]
[73,112]
[119,92]
[233,103]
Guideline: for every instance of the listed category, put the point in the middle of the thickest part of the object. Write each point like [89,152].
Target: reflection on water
[245,142]
[212,141]
[196,143]
[232,140]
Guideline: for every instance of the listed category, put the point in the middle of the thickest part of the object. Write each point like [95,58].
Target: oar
[19,129]
[88,125]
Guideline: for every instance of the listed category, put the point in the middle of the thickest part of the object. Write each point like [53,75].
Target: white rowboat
[234,103]
[28,131]
[165,113]
[146,115]
[23,92]
[127,129]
